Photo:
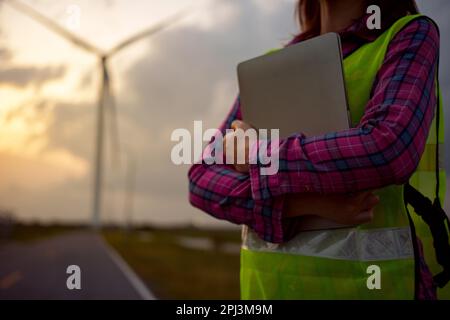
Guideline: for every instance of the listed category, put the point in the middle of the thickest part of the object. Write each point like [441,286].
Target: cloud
[22,76]
[5,54]
[72,128]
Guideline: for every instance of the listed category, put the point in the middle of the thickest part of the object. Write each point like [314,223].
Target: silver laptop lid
[300,88]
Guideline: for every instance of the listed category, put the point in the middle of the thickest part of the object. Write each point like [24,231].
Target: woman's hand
[344,209]
[232,148]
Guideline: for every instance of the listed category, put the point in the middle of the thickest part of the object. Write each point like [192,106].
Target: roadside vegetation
[175,266]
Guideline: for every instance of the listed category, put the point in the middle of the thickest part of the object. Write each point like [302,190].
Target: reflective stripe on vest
[333,264]
[343,244]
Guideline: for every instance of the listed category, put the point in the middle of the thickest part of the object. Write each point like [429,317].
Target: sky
[49,87]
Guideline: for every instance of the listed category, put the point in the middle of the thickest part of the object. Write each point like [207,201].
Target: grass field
[173,271]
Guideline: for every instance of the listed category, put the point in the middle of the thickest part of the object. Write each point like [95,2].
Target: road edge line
[132,277]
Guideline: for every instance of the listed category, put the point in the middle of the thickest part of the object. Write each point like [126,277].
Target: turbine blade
[55,27]
[150,31]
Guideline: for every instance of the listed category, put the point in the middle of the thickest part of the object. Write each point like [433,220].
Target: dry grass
[172,271]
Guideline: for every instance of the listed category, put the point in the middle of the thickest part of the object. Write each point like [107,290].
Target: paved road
[38,270]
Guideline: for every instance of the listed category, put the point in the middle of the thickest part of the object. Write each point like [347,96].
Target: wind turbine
[106,98]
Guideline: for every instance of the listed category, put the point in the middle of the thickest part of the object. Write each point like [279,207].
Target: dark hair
[308,12]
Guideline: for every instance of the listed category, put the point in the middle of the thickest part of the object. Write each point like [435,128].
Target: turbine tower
[106,97]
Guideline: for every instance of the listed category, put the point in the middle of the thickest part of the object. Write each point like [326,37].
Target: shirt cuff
[264,186]
[290,173]
[268,219]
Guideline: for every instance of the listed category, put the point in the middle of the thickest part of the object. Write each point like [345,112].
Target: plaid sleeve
[385,147]
[226,194]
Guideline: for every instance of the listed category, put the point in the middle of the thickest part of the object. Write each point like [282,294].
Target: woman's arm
[226,194]
[386,146]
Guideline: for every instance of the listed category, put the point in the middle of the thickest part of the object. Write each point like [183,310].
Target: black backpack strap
[415,248]
[434,216]
[431,212]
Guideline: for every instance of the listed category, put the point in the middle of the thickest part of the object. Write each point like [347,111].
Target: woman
[390,78]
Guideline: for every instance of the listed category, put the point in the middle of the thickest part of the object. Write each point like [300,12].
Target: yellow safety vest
[334,264]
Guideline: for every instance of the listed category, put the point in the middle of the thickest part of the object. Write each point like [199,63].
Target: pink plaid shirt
[383,149]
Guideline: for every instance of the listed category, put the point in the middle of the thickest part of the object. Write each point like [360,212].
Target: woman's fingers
[364,201]
[352,218]
[230,151]
[370,201]
[363,205]
[360,196]
[230,145]
[355,209]
[345,209]
[363,217]
[235,124]
[243,168]
[239,124]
